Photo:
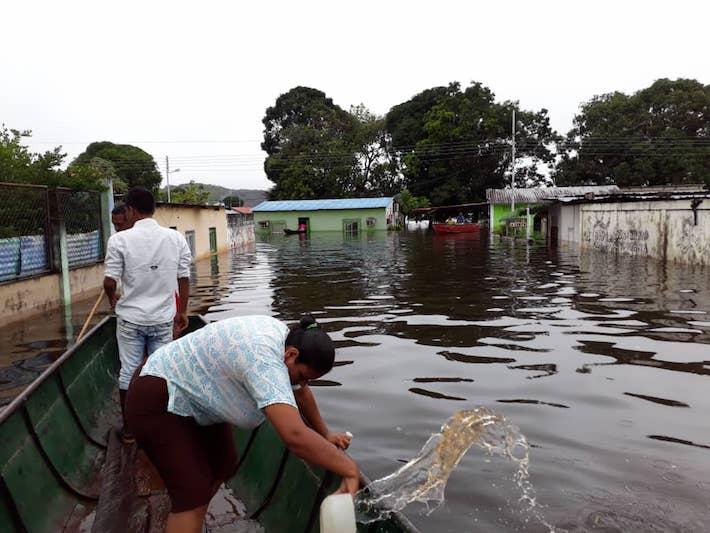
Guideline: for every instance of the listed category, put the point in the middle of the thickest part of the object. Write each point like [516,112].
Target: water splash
[423,479]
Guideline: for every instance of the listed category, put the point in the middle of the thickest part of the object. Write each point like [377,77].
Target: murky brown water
[602,362]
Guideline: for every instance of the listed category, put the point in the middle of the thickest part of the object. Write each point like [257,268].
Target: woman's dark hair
[141,200]
[120,209]
[315,347]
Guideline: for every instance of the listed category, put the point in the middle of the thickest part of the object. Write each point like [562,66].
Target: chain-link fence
[81,211]
[24,225]
[29,220]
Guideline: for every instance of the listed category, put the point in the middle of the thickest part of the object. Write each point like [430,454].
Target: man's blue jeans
[133,341]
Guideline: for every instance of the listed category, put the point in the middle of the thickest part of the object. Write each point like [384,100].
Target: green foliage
[232,201]
[408,202]
[19,165]
[189,193]
[131,164]
[310,145]
[376,172]
[455,144]
[249,197]
[659,135]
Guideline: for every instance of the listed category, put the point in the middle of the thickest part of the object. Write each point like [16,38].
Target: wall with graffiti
[671,230]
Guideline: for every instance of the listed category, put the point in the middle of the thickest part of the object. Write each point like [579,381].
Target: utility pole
[167,174]
[512,172]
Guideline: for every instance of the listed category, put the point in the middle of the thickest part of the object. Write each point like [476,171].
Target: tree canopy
[232,201]
[455,144]
[309,142]
[189,193]
[659,135]
[133,165]
[19,165]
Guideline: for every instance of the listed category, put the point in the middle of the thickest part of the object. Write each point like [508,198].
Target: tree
[376,171]
[407,202]
[657,136]
[189,193]
[131,164]
[309,143]
[19,165]
[232,201]
[455,144]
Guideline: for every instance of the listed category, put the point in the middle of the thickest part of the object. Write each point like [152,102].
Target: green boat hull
[54,443]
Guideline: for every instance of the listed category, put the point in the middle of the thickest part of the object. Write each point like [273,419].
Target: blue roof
[317,205]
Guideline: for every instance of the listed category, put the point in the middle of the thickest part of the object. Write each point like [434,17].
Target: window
[264,224]
[371,222]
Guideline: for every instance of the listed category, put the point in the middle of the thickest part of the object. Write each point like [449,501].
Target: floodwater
[602,362]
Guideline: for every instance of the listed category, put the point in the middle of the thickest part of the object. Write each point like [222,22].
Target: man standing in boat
[152,263]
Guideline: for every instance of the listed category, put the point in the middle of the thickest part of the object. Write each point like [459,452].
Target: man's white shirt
[147,259]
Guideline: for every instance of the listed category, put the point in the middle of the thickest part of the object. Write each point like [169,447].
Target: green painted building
[351,215]
[501,201]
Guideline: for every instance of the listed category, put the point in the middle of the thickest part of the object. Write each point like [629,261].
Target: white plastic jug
[337,514]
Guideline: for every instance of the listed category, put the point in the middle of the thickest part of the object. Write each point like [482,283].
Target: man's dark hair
[119,209]
[315,347]
[141,200]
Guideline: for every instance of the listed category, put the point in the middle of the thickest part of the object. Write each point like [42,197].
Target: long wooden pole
[91,315]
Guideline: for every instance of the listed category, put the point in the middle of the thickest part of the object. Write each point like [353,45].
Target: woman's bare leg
[186,521]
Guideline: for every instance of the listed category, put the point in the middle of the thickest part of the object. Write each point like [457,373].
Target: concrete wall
[240,230]
[665,230]
[324,220]
[198,219]
[22,299]
[566,219]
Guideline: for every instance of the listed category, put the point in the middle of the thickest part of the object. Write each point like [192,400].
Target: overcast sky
[192,80]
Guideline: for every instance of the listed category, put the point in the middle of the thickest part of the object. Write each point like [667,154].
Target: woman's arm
[306,402]
[310,446]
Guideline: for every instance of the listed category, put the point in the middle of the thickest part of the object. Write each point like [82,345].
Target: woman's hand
[341,440]
[349,485]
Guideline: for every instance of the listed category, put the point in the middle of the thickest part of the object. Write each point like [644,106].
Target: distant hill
[250,197]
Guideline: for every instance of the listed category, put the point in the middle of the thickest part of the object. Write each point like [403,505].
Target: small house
[350,215]
[506,203]
[204,226]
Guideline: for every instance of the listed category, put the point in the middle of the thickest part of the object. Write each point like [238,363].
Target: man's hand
[341,440]
[180,323]
[114,299]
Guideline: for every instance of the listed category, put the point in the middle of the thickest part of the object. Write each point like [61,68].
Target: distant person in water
[151,262]
[240,371]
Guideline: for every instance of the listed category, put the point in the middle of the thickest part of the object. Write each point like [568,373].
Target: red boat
[440,227]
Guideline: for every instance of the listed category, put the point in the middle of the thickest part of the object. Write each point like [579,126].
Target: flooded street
[603,363]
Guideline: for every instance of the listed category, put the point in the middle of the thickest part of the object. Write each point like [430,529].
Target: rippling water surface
[602,362]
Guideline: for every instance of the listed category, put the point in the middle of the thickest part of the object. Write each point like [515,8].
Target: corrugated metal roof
[318,205]
[505,196]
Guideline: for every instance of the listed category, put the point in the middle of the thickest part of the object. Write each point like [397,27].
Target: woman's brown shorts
[190,458]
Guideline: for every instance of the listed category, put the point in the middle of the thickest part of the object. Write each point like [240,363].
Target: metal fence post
[106,208]
[60,257]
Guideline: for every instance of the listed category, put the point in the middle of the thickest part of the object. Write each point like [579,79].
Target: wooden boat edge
[11,510]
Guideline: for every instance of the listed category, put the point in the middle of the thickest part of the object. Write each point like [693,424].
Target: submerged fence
[31,221]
